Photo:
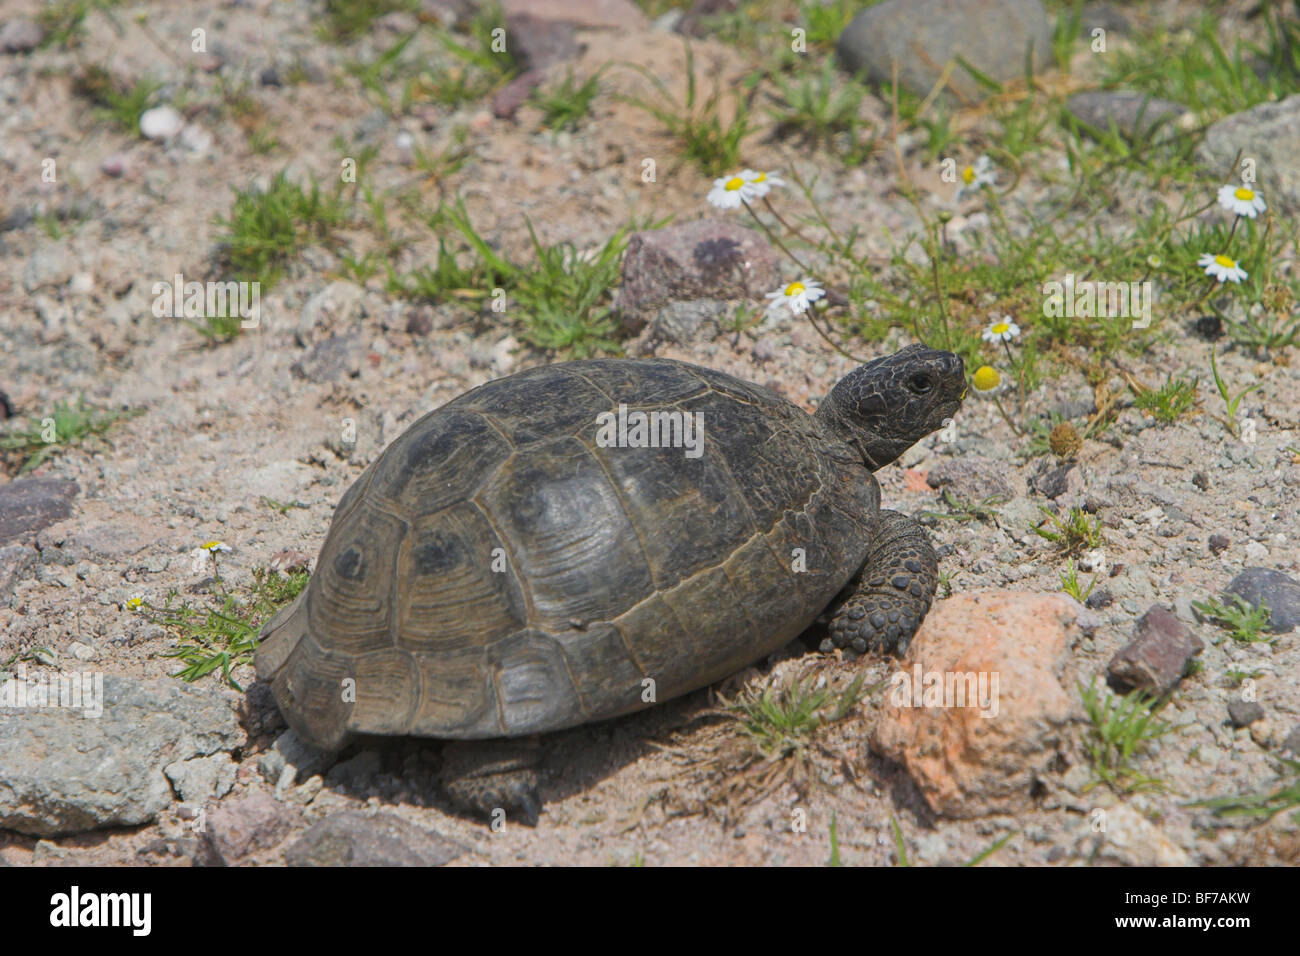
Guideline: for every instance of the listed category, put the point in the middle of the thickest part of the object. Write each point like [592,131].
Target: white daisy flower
[760,184]
[973,177]
[730,192]
[215,546]
[1223,268]
[1241,200]
[1003,330]
[798,296]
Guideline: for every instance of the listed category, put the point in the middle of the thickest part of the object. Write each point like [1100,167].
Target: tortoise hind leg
[483,776]
[881,608]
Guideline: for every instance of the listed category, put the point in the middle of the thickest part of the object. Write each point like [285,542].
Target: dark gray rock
[353,838]
[707,259]
[1134,115]
[1219,543]
[971,479]
[1099,599]
[1279,592]
[66,771]
[921,36]
[28,505]
[1243,713]
[1064,479]
[292,759]
[1157,657]
[1268,133]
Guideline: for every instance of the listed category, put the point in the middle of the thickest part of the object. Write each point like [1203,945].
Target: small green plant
[1122,727]
[1237,676]
[279,506]
[566,104]
[1230,402]
[346,20]
[708,139]
[118,104]
[781,721]
[222,636]
[900,848]
[1169,402]
[69,423]
[1074,533]
[822,110]
[1070,583]
[64,20]
[1245,623]
[1261,806]
[835,844]
[963,511]
[267,228]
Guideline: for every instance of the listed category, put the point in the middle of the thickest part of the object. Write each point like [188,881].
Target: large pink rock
[978,709]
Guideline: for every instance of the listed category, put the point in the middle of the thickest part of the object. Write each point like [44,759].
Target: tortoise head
[885,407]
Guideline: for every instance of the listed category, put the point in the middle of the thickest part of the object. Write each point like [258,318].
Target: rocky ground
[249,439]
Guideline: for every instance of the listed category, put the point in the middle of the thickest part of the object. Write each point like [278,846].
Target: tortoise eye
[920,383]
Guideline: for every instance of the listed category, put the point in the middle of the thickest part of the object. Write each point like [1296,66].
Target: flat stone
[14,561]
[28,505]
[1156,659]
[353,838]
[68,771]
[201,779]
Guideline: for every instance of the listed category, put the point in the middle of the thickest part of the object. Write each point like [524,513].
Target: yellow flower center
[1225,262]
[760,177]
[1244,194]
[968,175]
[734,183]
[1001,328]
[211,544]
[794,288]
[986,378]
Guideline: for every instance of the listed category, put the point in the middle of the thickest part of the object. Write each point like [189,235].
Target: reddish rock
[977,752]
[588,14]
[249,824]
[914,480]
[706,259]
[1157,657]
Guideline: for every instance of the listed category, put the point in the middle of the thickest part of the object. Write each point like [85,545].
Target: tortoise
[515,564]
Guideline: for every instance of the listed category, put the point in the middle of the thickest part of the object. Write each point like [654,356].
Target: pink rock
[993,710]
[248,824]
[590,14]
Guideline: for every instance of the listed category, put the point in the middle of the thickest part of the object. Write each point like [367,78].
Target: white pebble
[161,123]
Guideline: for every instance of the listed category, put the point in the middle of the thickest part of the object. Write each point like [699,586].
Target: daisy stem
[775,239]
[1007,418]
[812,319]
[793,231]
[1233,231]
[1020,377]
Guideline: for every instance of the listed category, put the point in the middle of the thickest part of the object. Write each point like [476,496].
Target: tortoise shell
[501,571]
